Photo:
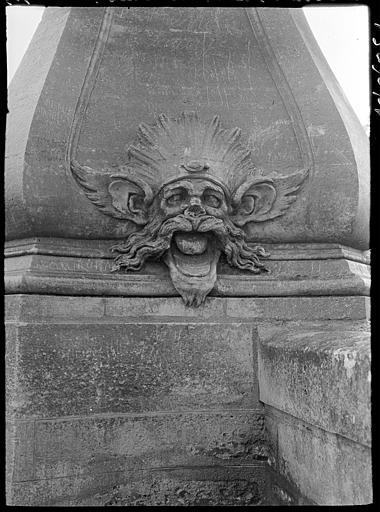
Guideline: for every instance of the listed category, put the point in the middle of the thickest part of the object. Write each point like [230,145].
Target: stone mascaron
[191,186]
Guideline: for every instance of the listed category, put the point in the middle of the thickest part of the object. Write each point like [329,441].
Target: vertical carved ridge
[283,88]
[88,85]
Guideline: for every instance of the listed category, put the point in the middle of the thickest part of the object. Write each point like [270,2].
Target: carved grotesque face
[190,224]
[194,250]
[195,197]
[191,187]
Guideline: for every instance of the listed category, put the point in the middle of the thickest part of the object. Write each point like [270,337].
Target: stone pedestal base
[97,399]
[130,400]
[315,382]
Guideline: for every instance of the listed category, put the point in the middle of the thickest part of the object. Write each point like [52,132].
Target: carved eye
[211,200]
[248,204]
[175,199]
[135,203]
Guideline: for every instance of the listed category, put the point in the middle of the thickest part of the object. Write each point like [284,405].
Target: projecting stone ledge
[78,267]
[315,382]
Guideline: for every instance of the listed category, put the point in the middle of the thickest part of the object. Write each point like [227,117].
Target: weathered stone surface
[66,447]
[40,308]
[245,486]
[171,486]
[308,78]
[322,377]
[299,308]
[19,450]
[112,394]
[327,468]
[282,491]
[81,368]
[46,308]
[73,247]
[317,274]
[65,491]
[59,491]
[237,63]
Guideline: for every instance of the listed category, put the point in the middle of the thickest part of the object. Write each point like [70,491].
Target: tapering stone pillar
[187,267]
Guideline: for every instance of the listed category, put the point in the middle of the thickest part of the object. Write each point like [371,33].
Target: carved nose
[195,209]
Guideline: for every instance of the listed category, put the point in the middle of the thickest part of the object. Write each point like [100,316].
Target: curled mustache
[155,239]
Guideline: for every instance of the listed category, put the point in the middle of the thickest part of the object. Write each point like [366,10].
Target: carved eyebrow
[170,191]
[209,187]
[213,189]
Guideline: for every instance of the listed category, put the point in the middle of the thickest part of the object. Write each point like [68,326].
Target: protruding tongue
[190,254]
[197,266]
[193,274]
[191,243]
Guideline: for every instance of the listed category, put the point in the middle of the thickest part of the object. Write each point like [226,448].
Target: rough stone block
[163,307]
[181,486]
[322,377]
[82,368]
[60,491]
[299,308]
[44,308]
[19,449]
[283,492]
[327,468]
[39,308]
[97,445]
[244,486]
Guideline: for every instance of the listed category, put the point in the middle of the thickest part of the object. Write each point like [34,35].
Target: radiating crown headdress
[172,149]
[186,147]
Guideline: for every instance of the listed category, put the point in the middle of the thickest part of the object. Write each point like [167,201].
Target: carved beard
[192,246]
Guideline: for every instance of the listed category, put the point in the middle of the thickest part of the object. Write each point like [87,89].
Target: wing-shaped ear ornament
[117,195]
[265,197]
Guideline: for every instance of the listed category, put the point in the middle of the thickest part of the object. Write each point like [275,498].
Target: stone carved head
[191,187]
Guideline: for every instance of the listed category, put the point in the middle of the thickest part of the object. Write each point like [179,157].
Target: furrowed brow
[213,188]
[179,188]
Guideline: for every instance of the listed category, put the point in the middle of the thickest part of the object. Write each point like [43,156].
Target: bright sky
[341,32]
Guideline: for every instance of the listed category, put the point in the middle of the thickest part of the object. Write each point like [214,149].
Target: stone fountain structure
[187,268]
